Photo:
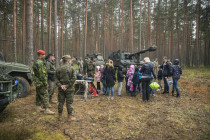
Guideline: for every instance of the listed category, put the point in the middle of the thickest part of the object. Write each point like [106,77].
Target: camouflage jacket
[40,73]
[91,67]
[65,75]
[50,70]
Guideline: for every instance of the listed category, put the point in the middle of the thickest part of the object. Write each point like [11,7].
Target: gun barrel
[150,49]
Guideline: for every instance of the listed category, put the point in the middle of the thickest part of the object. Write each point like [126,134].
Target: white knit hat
[146,60]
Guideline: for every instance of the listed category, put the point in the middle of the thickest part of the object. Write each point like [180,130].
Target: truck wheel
[3,107]
[23,87]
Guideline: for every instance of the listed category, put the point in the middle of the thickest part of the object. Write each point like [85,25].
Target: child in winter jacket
[160,78]
[177,71]
[135,81]
[140,76]
[98,78]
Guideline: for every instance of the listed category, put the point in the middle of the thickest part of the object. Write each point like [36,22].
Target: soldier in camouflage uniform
[40,77]
[91,68]
[50,65]
[65,78]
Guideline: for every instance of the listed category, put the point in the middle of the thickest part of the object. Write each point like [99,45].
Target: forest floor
[163,117]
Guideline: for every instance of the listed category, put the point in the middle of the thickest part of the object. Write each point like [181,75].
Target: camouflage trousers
[67,96]
[42,97]
[51,88]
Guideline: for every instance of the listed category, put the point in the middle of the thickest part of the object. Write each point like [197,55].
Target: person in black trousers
[146,71]
[166,73]
[135,81]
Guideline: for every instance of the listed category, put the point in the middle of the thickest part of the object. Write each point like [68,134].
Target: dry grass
[163,117]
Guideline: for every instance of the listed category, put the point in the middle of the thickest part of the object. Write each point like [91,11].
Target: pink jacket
[98,76]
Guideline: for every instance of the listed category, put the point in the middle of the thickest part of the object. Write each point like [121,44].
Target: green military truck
[18,83]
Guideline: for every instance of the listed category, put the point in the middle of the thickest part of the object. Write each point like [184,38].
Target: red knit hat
[41,52]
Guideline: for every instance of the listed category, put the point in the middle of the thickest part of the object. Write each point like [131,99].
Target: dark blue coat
[177,71]
[135,79]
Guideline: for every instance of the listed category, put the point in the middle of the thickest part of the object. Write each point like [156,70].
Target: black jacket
[109,74]
[166,69]
[160,75]
[120,76]
[147,71]
[135,79]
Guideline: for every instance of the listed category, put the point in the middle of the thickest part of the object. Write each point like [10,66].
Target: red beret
[41,52]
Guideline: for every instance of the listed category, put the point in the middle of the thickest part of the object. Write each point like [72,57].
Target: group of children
[133,79]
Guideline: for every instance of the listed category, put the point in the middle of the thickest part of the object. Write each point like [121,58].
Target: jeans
[166,87]
[159,82]
[175,86]
[152,90]
[112,90]
[119,88]
[146,88]
[104,87]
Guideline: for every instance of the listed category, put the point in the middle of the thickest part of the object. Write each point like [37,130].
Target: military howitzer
[97,58]
[9,90]
[19,71]
[126,58]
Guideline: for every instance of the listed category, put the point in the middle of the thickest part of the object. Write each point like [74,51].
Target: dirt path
[163,117]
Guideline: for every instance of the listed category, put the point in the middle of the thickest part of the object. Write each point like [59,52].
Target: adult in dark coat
[109,74]
[166,73]
[146,71]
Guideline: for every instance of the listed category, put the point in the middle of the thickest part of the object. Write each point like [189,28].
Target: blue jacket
[177,71]
[147,70]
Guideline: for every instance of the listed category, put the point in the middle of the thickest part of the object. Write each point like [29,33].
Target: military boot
[39,109]
[70,118]
[48,112]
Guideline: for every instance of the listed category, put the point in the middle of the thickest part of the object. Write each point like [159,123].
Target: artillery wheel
[3,107]
[23,87]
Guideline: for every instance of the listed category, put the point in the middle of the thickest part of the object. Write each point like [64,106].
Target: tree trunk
[122,27]
[56,34]
[42,25]
[149,26]
[24,31]
[62,25]
[197,32]
[49,26]
[29,33]
[14,28]
[85,47]
[145,25]
[140,15]
[131,26]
